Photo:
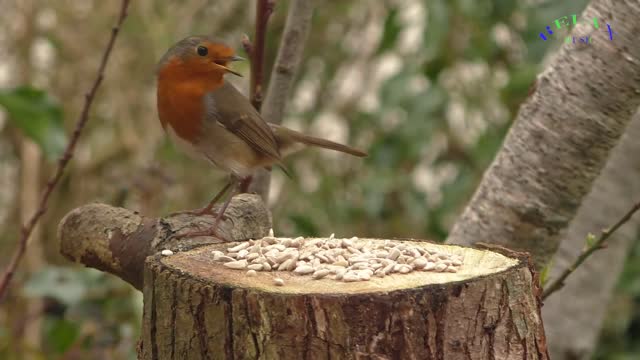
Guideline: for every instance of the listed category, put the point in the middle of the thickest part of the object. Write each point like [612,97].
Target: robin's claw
[212,231]
[199,212]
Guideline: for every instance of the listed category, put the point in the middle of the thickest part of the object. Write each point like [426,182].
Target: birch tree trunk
[573,316]
[560,139]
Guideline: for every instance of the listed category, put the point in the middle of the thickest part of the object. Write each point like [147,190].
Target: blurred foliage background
[429,88]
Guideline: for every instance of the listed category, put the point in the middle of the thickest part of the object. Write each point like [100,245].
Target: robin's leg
[245,183]
[207,210]
[213,231]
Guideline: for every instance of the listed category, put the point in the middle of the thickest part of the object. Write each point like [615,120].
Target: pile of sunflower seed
[345,260]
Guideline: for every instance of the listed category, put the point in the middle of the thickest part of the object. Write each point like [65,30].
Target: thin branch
[248,46]
[64,160]
[290,54]
[264,9]
[294,38]
[598,244]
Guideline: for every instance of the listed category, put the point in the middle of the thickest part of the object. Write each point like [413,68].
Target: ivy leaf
[38,116]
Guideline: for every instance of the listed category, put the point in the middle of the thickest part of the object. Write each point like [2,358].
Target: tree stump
[196,308]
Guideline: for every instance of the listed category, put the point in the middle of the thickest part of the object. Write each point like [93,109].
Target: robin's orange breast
[182,109]
[180,97]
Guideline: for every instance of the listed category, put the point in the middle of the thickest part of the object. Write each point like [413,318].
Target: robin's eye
[202,50]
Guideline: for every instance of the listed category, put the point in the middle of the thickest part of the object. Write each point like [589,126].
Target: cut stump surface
[196,308]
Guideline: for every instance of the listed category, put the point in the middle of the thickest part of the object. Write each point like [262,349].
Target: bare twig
[284,71]
[255,52]
[264,9]
[248,46]
[290,53]
[592,247]
[64,160]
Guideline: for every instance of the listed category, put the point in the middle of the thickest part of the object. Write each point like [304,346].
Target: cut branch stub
[118,240]
[197,308]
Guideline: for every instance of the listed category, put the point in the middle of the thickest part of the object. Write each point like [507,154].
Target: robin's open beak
[233,58]
[231,71]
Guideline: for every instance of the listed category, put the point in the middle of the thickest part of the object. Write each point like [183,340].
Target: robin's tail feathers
[287,137]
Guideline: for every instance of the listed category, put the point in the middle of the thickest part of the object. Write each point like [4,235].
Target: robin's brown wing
[231,109]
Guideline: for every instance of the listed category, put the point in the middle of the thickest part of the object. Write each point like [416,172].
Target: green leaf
[591,240]
[544,274]
[391,31]
[61,334]
[38,116]
[436,32]
[304,225]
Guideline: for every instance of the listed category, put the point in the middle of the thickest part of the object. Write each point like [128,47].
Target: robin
[209,118]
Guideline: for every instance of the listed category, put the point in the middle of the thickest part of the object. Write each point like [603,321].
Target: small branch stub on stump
[118,240]
[197,308]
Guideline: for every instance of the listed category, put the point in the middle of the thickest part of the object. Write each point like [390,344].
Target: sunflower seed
[303,270]
[225,258]
[364,275]
[420,262]
[440,267]
[238,247]
[240,264]
[350,276]
[287,265]
[393,254]
[344,259]
[388,269]
[319,274]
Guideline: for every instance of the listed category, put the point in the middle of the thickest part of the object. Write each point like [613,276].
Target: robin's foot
[198,212]
[212,231]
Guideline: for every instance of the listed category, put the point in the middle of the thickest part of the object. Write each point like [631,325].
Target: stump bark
[195,308]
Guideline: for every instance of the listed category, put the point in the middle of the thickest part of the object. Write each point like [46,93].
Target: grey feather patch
[211,110]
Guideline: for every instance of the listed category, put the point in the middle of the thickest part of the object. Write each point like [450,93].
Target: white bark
[290,53]
[573,316]
[561,138]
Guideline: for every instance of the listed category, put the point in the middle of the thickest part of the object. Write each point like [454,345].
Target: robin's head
[200,55]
